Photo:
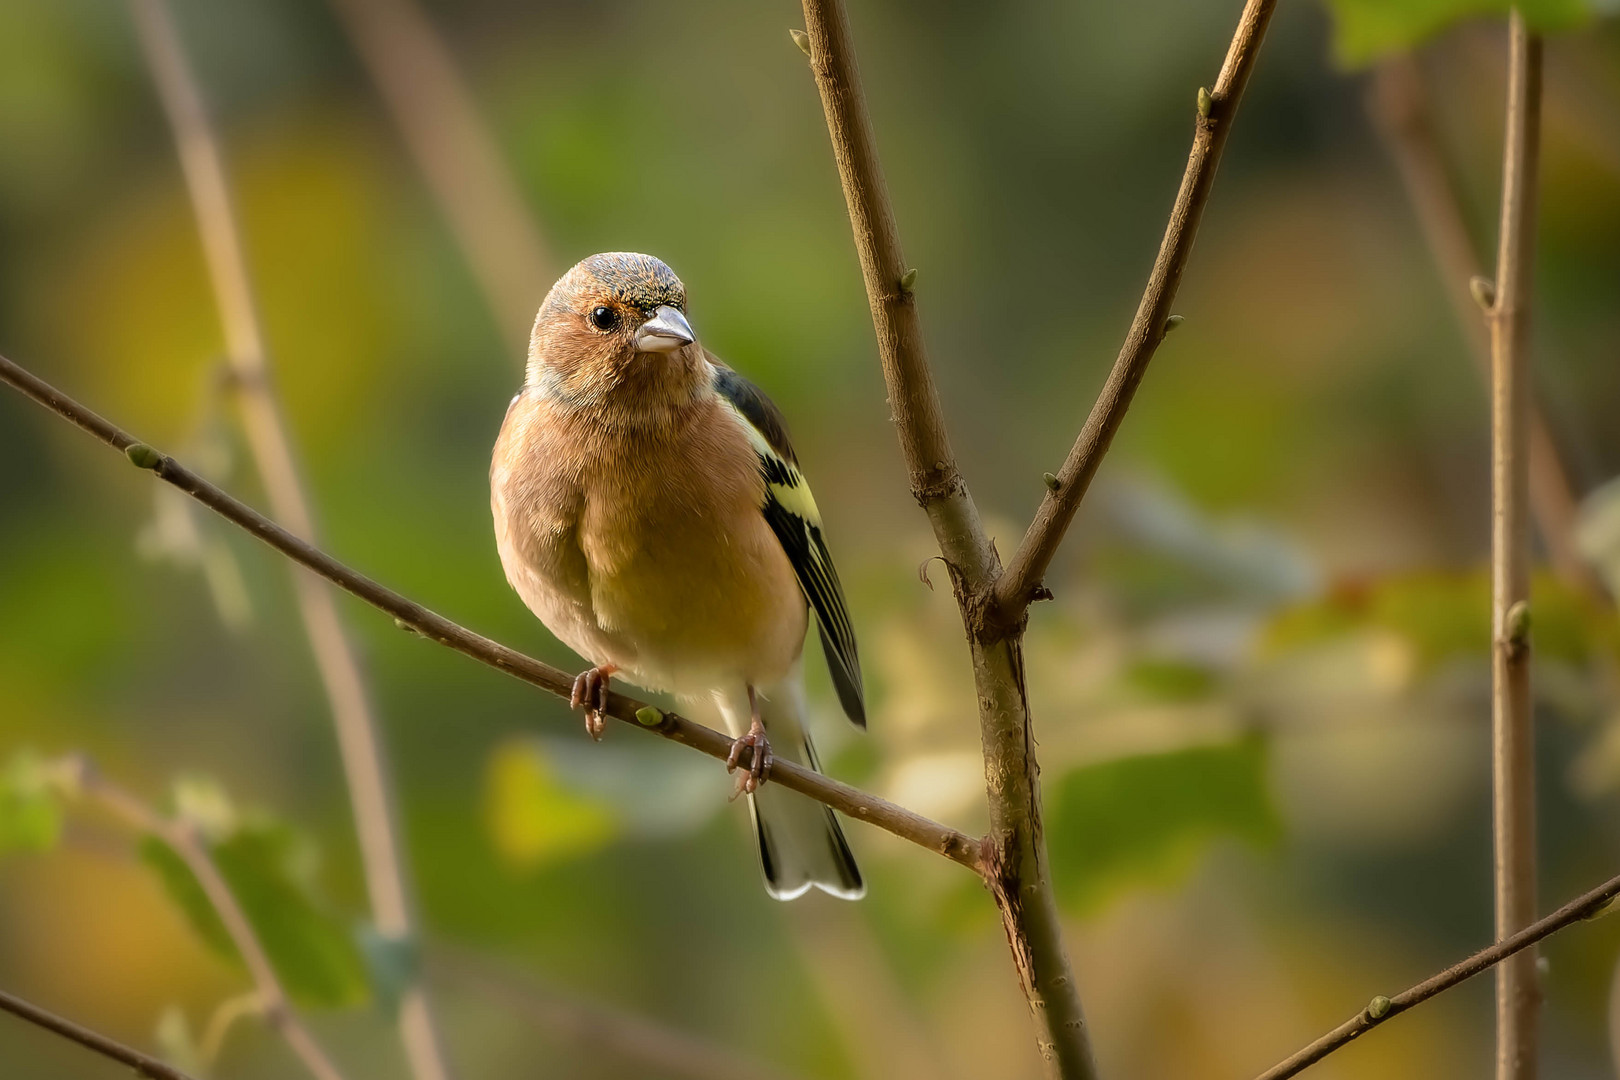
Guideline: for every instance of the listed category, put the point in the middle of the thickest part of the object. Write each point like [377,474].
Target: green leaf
[181,885]
[1367,29]
[1144,820]
[30,805]
[532,818]
[265,866]
[1442,615]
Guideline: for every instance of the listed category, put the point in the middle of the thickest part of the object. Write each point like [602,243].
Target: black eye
[604,318]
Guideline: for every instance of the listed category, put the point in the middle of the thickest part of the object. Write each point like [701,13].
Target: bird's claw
[590,694]
[759,759]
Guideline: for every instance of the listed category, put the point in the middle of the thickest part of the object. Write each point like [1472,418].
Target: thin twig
[144,1064]
[1216,111]
[455,151]
[1399,104]
[183,837]
[1518,992]
[1382,1008]
[598,1027]
[1015,860]
[413,616]
[355,724]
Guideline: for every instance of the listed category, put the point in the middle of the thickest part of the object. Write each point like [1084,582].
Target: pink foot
[590,694]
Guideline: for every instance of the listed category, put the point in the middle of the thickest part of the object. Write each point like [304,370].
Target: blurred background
[1262,691]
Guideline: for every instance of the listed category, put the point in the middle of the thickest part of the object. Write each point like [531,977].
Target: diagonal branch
[144,1064]
[1216,111]
[358,740]
[1400,107]
[1513,760]
[412,616]
[920,421]
[456,153]
[183,837]
[1381,1008]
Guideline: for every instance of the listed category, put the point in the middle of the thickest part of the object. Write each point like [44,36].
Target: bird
[650,510]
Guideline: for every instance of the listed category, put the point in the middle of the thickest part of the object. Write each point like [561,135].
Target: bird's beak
[666,331]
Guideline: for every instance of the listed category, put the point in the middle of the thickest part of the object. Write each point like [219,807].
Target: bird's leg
[759,747]
[590,693]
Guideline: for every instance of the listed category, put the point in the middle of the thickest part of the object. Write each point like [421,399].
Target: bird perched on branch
[650,510]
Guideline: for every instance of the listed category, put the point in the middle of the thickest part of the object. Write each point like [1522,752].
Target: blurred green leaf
[1442,615]
[30,805]
[1169,679]
[265,867]
[532,818]
[1144,820]
[181,885]
[1367,29]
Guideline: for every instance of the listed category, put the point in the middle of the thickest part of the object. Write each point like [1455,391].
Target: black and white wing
[790,509]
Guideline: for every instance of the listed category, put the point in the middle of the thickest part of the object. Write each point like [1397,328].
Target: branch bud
[1516,625]
[1483,290]
[1378,1007]
[1052,482]
[802,40]
[908,279]
[142,456]
[1172,322]
[647,716]
[1205,102]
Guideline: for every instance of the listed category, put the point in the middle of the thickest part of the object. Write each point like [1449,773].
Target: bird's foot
[590,694]
[759,759]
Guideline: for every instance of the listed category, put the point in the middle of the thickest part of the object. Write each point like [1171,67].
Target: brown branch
[1382,1008]
[1400,108]
[268,442]
[597,1027]
[1518,991]
[1216,111]
[456,153]
[1015,863]
[183,837]
[413,616]
[144,1064]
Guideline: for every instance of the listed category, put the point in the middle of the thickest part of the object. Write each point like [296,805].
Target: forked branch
[409,615]
[1215,113]
[183,837]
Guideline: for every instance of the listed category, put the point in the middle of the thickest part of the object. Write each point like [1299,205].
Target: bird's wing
[790,509]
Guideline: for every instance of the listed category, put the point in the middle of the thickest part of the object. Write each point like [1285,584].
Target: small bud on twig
[405,626]
[1205,102]
[1378,1007]
[143,456]
[908,279]
[1172,322]
[647,716]
[802,40]
[1484,291]
[1052,482]
[1516,625]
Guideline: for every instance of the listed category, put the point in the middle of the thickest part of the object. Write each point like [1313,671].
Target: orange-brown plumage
[628,494]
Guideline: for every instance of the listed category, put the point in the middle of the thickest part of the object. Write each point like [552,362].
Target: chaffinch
[650,510]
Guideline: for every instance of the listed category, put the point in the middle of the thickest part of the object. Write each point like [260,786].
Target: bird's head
[613,331]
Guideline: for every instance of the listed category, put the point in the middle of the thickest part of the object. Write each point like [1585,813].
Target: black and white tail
[800,843]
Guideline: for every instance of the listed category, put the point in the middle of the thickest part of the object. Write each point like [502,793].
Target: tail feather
[801,845]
